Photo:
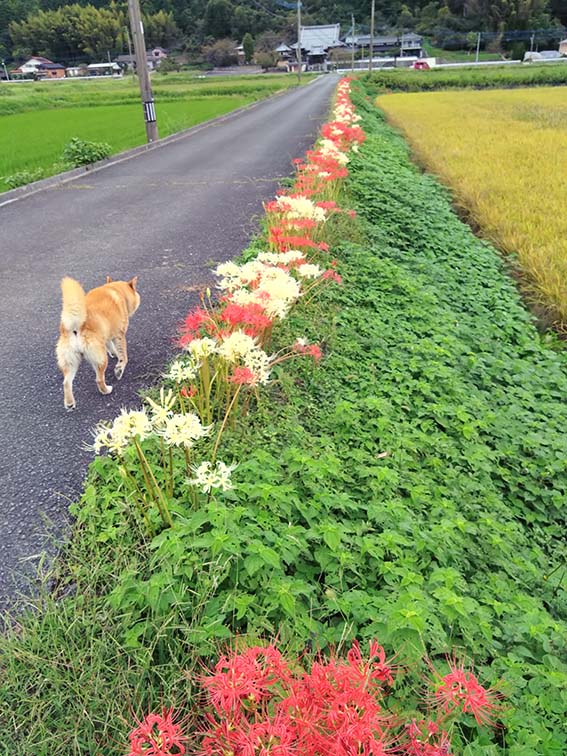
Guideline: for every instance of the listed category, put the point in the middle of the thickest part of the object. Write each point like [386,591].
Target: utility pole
[477,47]
[371,56]
[6,74]
[142,70]
[298,51]
[352,45]
[532,39]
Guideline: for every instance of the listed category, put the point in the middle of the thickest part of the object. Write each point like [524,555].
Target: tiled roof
[320,36]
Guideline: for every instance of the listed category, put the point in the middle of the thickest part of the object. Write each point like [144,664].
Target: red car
[421,65]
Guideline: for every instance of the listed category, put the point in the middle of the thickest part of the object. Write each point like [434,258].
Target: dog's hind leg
[96,355]
[68,362]
[122,354]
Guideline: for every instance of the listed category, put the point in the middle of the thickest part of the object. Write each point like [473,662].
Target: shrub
[222,53]
[79,152]
[23,177]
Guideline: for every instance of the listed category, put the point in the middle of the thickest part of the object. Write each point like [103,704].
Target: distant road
[165,215]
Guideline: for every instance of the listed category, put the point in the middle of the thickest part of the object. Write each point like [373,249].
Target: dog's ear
[108,279]
[132,282]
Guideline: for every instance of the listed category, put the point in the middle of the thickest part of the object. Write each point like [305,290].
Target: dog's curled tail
[74,312]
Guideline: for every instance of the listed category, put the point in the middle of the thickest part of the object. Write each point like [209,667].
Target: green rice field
[37,120]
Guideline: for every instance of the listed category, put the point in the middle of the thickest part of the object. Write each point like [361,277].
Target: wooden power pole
[371,55]
[299,58]
[142,70]
[352,44]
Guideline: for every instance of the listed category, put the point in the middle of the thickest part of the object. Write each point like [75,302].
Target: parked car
[421,65]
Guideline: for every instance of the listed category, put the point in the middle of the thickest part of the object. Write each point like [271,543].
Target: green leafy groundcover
[411,488]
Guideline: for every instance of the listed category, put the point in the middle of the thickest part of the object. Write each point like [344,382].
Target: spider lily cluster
[259,703]
[226,353]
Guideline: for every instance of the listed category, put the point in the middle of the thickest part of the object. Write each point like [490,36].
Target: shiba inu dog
[93,325]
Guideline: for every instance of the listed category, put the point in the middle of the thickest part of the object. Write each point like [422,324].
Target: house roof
[321,37]
[50,66]
[39,58]
[132,58]
[114,64]
[283,48]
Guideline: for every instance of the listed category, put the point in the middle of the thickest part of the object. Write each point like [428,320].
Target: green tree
[248,46]
[406,19]
[218,18]
[161,29]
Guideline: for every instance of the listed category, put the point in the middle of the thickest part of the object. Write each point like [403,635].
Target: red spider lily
[269,738]
[328,205]
[311,350]
[303,223]
[460,690]
[243,376]
[196,323]
[221,738]
[241,680]
[284,242]
[342,134]
[375,668]
[335,712]
[426,739]
[188,392]
[332,275]
[157,735]
[246,315]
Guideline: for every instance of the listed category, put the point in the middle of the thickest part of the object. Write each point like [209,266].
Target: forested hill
[39,24]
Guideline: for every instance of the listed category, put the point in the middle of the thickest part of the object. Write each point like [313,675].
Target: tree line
[90,28]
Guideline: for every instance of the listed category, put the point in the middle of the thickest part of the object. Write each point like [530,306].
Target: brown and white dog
[91,325]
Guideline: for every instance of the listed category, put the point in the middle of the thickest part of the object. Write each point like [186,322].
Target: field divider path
[165,214]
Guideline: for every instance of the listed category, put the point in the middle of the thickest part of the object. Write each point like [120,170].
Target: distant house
[104,69]
[387,44]
[563,47]
[29,69]
[153,59]
[50,71]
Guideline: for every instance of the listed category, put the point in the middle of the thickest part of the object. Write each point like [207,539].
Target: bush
[222,53]
[79,152]
[265,60]
[22,178]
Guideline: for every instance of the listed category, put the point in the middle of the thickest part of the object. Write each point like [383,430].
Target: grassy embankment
[457,56]
[493,77]
[38,120]
[499,153]
[410,488]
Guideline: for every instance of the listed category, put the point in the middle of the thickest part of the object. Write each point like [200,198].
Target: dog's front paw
[70,407]
[119,371]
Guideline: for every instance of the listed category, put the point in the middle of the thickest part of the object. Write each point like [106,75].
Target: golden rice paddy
[504,155]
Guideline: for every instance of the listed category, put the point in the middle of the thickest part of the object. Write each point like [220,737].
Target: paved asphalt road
[163,215]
